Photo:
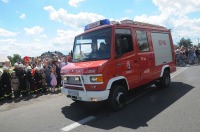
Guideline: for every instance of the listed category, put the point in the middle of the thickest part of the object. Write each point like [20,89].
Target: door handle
[119,64]
[135,61]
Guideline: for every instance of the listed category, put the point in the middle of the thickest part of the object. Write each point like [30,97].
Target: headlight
[96,79]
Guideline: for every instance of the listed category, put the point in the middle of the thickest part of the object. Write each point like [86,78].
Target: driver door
[126,62]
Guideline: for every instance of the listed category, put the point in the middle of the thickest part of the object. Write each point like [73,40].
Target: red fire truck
[110,58]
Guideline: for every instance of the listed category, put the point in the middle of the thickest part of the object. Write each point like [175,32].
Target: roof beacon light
[96,24]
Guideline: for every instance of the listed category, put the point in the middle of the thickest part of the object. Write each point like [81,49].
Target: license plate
[73,93]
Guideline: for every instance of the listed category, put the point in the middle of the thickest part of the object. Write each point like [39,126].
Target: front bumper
[87,96]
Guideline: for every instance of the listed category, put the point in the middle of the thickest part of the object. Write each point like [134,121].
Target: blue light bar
[96,24]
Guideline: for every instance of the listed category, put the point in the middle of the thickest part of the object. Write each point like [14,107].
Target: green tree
[11,59]
[185,42]
[15,58]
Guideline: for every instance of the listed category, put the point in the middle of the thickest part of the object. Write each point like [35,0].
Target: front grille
[72,80]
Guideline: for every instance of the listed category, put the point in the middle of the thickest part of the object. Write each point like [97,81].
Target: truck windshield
[92,46]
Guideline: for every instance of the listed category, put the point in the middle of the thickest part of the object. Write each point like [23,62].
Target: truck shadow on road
[135,114]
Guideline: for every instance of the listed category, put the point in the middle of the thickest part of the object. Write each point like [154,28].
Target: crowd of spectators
[32,76]
[186,56]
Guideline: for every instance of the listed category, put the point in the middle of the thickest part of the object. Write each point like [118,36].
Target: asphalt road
[175,109]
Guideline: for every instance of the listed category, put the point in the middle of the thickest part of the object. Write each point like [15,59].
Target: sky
[32,27]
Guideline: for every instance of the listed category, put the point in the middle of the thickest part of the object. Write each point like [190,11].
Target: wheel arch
[120,80]
[165,67]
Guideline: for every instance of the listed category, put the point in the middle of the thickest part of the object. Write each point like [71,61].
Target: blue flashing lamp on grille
[96,24]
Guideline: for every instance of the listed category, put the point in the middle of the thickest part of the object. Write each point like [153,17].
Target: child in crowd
[15,84]
[53,80]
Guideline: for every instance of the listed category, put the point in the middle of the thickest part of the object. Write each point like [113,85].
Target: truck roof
[129,23]
[132,23]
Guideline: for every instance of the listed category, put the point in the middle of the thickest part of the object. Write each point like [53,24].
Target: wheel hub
[120,98]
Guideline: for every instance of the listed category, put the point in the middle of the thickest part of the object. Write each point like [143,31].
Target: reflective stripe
[23,91]
[32,91]
[7,95]
[39,89]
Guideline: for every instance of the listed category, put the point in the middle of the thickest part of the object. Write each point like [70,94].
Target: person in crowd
[15,84]
[16,68]
[62,64]
[186,54]
[191,55]
[6,83]
[44,84]
[31,81]
[39,64]
[57,68]
[2,92]
[22,80]
[38,80]
[48,76]
[53,80]
[182,57]
[197,51]
[177,51]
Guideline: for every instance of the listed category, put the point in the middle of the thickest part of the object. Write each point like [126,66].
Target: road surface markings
[79,123]
[178,72]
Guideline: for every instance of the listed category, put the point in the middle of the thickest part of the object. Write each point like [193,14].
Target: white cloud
[6,33]
[65,39]
[62,42]
[157,19]
[75,3]
[43,36]
[74,20]
[173,15]
[5,1]
[24,48]
[178,7]
[22,16]
[36,30]
[7,41]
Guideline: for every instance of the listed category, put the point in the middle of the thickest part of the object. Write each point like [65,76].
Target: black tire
[117,97]
[165,80]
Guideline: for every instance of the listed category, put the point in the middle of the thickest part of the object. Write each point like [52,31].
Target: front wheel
[117,97]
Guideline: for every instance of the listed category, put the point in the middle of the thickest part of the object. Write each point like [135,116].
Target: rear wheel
[117,97]
[164,81]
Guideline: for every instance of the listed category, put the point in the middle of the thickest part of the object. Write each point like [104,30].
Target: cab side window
[142,41]
[123,41]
